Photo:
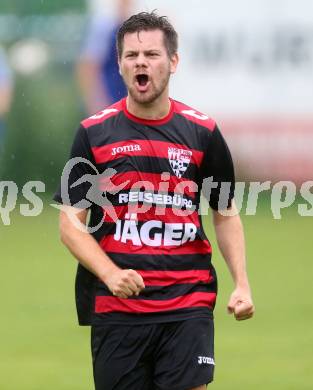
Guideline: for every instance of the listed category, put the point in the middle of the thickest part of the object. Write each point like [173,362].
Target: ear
[174,62]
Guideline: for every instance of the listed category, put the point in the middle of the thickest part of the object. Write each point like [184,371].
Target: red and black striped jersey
[141,180]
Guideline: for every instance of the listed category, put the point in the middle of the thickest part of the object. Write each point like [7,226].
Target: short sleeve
[75,179]
[218,172]
[6,76]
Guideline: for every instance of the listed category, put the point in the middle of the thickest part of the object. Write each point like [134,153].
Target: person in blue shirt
[97,69]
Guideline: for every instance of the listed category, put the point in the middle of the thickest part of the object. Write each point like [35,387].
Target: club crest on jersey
[179,160]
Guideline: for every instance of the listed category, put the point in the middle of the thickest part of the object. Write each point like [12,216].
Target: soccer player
[145,282]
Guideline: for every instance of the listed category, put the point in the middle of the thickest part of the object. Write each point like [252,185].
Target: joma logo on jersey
[206,360]
[126,148]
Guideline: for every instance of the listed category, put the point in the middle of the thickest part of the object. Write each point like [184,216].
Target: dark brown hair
[147,21]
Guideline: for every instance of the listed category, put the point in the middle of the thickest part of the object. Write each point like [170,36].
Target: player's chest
[150,150]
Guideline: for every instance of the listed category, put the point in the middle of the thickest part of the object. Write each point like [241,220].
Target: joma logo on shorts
[126,148]
[205,360]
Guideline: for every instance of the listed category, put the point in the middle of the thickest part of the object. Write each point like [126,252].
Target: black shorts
[167,356]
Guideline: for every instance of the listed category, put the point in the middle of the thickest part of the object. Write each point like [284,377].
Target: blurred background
[249,65]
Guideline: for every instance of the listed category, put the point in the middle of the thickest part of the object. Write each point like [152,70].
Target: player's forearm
[86,249]
[230,238]
[91,86]
[5,100]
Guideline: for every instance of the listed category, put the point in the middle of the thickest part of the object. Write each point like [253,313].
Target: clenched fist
[124,283]
[240,304]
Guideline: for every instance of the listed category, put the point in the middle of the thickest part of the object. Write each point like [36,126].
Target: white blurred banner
[249,64]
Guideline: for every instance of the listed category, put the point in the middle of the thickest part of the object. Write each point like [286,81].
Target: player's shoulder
[193,115]
[102,115]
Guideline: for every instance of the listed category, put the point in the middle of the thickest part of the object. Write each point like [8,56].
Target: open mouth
[142,79]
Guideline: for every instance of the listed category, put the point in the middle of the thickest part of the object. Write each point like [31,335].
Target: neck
[158,109]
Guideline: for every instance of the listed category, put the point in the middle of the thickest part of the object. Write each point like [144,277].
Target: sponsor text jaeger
[154,233]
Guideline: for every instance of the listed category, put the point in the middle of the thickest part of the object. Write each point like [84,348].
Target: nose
[141,60]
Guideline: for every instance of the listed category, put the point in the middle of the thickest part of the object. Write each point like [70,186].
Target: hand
[240,304]
[124,283]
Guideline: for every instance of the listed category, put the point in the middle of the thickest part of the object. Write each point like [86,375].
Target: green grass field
[42,348]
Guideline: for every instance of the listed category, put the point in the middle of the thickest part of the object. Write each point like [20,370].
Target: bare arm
[5,99]
[91,86]
[122,283]
[230,238]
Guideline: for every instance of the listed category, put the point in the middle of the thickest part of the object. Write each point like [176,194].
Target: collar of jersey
[150,122]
